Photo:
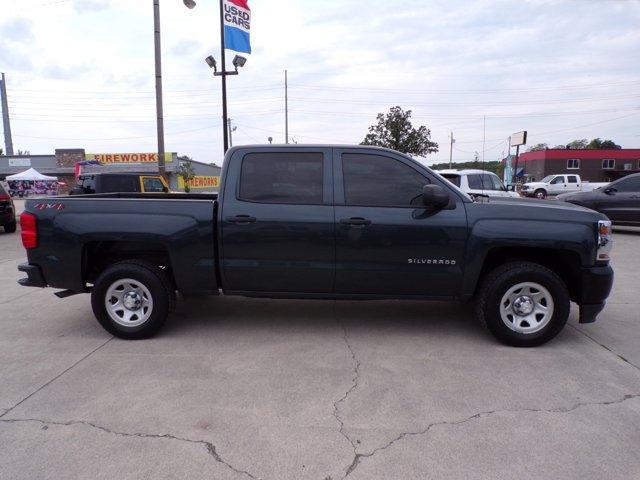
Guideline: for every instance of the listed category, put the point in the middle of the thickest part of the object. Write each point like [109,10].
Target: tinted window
[119,183]
[152,184]
[455,179]
[380,180]
[628,185]
[88,184]
[282,178]
[475,181]
[572,179]
[491,182]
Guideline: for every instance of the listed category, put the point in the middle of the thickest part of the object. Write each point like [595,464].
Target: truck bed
[86,230]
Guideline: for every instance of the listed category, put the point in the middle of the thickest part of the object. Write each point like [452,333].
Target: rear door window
[628,185]
[572,179]
[290,178]
[475,181]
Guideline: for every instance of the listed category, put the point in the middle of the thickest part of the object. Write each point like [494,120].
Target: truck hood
[534,208]
[533,185]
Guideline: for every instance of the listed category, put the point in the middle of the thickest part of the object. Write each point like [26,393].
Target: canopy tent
[31,175]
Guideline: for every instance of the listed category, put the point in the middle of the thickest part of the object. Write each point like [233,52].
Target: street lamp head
[239,61]
[189,3]
[211,61]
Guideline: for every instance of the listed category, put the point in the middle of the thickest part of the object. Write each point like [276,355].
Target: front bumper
[595,283]
[34,276]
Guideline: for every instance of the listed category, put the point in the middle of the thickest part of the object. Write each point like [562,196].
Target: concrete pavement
[248,388]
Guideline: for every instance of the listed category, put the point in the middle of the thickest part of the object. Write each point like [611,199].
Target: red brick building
[591,165]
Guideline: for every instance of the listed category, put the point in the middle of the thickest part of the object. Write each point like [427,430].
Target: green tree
[578,144]
[186,172]
[538,146]
[597,144]
[394,130]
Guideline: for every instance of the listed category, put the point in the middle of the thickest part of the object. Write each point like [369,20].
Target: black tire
[540,193]
[155,280]
[11,227]
[496,284]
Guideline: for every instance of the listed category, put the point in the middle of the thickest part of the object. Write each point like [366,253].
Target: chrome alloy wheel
[526,307]
[128,302]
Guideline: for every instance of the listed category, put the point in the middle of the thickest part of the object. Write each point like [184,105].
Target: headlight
[605,241]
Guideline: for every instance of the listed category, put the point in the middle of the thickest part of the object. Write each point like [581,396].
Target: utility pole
[231,130]
[159,113]
[6,123]
[286,107]
[451,151]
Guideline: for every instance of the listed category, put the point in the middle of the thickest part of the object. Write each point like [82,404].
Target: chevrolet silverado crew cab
[558,184]
[322,222]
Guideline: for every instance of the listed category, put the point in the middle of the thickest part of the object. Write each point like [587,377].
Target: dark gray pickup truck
[323,222]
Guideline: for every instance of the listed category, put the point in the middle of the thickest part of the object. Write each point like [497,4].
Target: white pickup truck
[557,184]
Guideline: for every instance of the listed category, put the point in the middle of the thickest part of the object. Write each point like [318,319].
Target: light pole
[238,62]
[158,70]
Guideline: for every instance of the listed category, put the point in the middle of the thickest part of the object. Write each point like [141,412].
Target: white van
[477,182]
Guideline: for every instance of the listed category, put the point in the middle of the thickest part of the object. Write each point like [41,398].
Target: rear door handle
[241,219]
[355,221]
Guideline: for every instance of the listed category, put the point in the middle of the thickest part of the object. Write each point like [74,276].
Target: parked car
[322,222]
[92,183]
[619,200]
[7,211]
[478,182]
[556,185]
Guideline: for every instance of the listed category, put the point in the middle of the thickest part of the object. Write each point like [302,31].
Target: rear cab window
[287,178]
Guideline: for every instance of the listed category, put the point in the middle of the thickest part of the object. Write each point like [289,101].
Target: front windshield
[547,178]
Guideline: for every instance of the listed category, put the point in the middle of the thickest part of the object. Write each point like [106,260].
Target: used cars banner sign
[237,23]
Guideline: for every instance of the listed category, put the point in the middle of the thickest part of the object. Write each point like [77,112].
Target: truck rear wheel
[132,299]
[523,304]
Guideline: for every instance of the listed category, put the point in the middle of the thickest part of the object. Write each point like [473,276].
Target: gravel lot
[239,388]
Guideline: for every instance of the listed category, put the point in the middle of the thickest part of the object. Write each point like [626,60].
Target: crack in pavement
[354,385]
[56,377]
[605,347]
[210,447]
[359,456]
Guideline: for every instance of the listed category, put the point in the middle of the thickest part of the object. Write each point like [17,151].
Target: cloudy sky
[80,73]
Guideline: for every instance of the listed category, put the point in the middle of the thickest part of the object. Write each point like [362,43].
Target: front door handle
[241,219]
[355,221]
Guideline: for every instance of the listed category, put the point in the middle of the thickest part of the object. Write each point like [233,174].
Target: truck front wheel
[541,193]
[132,299]
[523,304]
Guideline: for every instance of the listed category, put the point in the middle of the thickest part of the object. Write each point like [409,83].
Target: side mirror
[610,191]
[165,189]
[511,188]
[435,196]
